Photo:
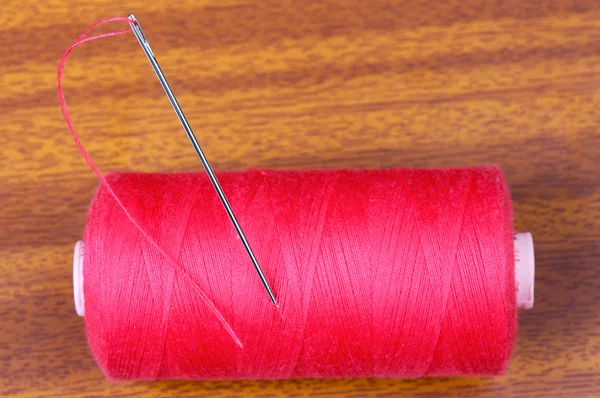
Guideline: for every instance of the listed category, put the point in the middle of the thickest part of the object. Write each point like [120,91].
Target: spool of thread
[389,273]
[379,273]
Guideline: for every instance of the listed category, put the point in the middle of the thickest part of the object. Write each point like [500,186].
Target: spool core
[524,272]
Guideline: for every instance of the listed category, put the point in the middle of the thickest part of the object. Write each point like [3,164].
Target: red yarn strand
[63,106]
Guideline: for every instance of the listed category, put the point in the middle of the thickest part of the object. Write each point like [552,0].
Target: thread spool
[523,258]
[428,338]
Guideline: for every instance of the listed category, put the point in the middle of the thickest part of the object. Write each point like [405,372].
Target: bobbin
[524,272]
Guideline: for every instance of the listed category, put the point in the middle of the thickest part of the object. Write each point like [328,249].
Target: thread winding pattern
[385,273]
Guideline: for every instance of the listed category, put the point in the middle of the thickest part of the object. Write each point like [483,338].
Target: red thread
[384,273]
[63,106]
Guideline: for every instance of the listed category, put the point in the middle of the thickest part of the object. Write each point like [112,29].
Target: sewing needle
[141,37]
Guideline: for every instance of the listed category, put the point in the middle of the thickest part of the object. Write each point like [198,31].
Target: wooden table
[303,85]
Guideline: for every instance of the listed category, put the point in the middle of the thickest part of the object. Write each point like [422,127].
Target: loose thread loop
[63,106]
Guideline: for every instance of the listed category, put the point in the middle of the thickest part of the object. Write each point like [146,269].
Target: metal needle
[141,37]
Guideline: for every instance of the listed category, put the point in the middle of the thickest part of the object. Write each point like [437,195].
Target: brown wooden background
[272,84]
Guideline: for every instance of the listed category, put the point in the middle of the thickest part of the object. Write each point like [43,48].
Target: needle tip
[271,295]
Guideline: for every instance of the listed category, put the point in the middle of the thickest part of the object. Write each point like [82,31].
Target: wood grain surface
[303,85]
